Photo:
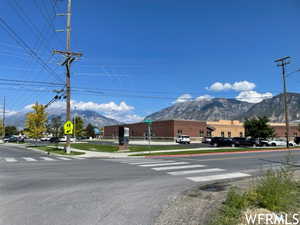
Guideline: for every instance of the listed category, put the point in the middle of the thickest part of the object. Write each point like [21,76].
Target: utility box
[123,138]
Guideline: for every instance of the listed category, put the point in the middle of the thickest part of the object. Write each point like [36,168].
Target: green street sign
[148,121]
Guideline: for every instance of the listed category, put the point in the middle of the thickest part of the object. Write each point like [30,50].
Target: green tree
[36,121]
[55,126]
[11,130]
[78,126]
[89,130]
[258,128]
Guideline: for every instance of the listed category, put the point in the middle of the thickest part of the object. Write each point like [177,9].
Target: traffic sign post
[149,122]
[68,128]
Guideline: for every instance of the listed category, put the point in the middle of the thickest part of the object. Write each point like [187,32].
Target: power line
[26,47]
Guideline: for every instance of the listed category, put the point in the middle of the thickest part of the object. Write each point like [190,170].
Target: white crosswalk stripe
[177,167]
[29,159]
[195,171]
[164,164]
[48,159]
[63,158]
[149,162]
[11,160]
[218,177]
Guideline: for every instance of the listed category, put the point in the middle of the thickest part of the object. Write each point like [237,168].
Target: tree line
[37,125]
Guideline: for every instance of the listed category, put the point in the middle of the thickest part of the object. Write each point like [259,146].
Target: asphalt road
[65,191]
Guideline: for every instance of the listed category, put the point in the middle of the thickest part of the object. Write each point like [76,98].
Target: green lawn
[203,151]
[135,148]
[143,148]
[95,147]
[56,150]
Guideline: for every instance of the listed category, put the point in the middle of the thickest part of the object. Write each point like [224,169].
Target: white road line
[164,164]
[10,160]
[218,177]
[29,159]
[148,162]
[48,159]
[195,171]
[177,167]
[63,158]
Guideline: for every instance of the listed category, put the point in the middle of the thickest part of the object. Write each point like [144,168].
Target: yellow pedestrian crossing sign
[68,127]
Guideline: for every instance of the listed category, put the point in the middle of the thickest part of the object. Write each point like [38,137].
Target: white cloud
[218,86]
[183,98]
[125,117]
[103,107]
[243,86]
[10,112]
[204,97]
[236,86]
[253,96]
[121,112]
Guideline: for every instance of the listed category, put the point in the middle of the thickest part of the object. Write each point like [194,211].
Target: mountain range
[204,109]
[88,116]
[231,109]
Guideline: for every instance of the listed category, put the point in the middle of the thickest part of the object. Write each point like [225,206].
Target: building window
[241,134]
[222,134]
[229,134]
[201,133]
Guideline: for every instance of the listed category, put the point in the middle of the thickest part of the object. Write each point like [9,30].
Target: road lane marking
[29,159]
[177,167]
[164,164]
[149,162]
[10,160]
[195,171]
[48,159]
[63,158]
[218,177]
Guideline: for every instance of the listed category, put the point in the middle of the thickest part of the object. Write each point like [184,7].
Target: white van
[183,139]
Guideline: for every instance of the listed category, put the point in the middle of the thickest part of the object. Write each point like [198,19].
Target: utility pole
[3,119]
[282,62]
[70,57]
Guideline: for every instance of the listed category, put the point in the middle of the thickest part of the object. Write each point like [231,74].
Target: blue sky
[140,56]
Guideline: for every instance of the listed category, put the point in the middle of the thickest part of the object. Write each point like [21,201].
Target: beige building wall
[227,128]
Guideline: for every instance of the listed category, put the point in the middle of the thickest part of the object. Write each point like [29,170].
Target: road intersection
[65,190]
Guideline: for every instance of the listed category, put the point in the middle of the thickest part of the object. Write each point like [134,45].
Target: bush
[277,191]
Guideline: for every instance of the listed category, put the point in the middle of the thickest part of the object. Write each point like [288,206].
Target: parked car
[14,139]
[280,142]
[297,140]
[45,139]
[206,140]
[183,139]
[240,141]
[64,139]
[221,141]
[54,140]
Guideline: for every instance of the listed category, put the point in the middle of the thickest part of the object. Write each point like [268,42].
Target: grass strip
[56,150]
[95,147]
[208,151]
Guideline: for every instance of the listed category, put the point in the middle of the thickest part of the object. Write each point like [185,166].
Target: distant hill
[204,109]
[231,109]
[88,116]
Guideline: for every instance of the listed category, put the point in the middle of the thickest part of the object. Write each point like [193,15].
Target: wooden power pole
[70,57]
[282,62]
